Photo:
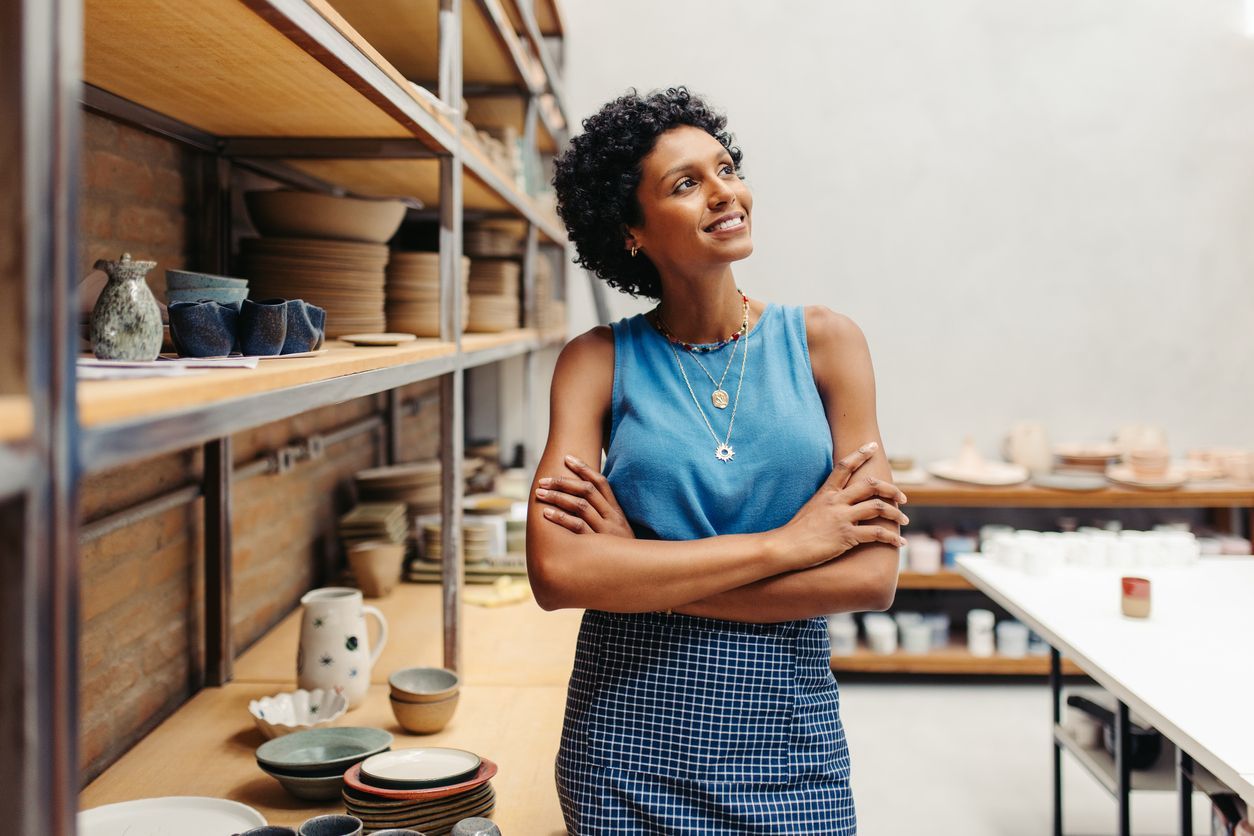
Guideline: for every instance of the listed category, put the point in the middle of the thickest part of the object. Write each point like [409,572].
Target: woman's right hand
[827,526]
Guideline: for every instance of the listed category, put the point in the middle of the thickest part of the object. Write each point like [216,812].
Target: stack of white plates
[345,278]
[494,304]
[413,293]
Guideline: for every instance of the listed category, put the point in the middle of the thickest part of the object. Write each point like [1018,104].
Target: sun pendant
[724,453]
[720,398]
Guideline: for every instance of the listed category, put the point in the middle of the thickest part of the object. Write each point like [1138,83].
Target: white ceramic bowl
[297,710]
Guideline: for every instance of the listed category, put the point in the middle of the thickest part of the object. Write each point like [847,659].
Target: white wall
[1034,210]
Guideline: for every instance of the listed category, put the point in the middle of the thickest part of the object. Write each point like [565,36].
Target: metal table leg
[1055,688]
[1123,768]
[1184,783]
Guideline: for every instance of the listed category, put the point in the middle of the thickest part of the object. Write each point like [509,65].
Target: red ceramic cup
[1136,597]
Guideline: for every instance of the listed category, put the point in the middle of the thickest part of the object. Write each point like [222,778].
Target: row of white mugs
[1040,553]
[921,633]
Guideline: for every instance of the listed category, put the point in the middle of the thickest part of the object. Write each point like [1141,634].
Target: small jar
[1012,639]
[1136,597]
[980,632]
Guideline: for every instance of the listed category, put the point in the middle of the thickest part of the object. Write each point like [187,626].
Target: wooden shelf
[944,579]
[1217,494]
[511,111]
[258,68]
[207,749]
[124,420]
[955,659]
[496,640]
[16,418]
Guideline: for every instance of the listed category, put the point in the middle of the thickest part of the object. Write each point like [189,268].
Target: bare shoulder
[585,369]
[592,349]
[832,335]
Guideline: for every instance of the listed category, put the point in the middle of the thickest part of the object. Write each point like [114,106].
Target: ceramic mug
[334,652]
[331,826]
[203,329]
[263,327]
[305,327]
[269,830]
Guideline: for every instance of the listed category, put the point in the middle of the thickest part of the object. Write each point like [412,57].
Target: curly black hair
[597,176]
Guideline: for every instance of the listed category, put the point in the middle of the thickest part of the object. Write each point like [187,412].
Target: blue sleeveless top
[660,459]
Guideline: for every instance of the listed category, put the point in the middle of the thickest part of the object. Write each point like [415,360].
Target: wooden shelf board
[549,18]
[510,112]
[107,401]
[207,749]
[955,659]
[938,492]
[944,579]
[17,419]
[519,644]
[406,32]
[223,68]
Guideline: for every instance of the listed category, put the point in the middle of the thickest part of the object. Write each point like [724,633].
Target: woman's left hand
[583,503]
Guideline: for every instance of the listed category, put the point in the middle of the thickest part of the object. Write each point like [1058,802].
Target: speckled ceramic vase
[126,322]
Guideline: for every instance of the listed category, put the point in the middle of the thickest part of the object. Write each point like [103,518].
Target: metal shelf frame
[39,476]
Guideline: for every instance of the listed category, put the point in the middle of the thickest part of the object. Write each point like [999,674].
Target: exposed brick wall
[141,585]
[12,253]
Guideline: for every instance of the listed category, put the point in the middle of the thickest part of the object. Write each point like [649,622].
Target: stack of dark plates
[494,302]
[346,278]
[427,789]
[374,521]
[413,293]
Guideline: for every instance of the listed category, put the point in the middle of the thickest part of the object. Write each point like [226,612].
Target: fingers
[584,490]
[878,508]
[843,470]
[573,504]
[877,534]
[868,486]
[596,478]
[575,524]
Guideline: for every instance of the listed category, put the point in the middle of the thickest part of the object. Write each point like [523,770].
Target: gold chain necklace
[723,452]
[719,396]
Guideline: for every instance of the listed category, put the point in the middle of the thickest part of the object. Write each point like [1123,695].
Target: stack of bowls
[429,789]
[310,764]
[416,484]
[186,286]
[476,541]
[494,285]
[413,293]
[384,521]
[424,699]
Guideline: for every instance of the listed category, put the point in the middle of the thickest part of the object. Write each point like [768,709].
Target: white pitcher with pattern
[334,650]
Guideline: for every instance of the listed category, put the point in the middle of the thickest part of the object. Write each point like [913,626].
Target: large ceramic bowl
[424,717]
[294,711]
[225,295]
[309,787]
[187,280]
[321,752]
[296,214]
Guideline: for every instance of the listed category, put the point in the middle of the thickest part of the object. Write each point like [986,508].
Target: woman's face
[695,210]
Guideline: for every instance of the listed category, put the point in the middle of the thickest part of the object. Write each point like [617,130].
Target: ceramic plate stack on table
[427,789]
[494,302]
[1091,458]
[476,541]
[374,521]
[345,278]
[310,764]
[413,293]
[416,484]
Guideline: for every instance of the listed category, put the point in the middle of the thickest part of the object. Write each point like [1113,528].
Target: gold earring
[634,250]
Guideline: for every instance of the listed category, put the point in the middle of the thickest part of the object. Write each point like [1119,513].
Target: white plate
[1175,477]
[172,816]
[991,473]
[428,765]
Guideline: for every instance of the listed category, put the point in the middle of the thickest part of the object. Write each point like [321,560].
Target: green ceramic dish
[321,751]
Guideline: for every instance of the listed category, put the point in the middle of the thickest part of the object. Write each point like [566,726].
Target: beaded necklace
[705,347]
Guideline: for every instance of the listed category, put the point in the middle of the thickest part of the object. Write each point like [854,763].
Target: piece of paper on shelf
[91,371]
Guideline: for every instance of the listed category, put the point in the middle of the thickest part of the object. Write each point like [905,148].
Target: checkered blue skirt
[677,724]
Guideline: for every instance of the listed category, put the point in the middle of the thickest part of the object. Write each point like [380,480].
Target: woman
[719,534]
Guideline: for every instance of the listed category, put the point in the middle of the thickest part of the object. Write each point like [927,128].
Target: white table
[1187,670]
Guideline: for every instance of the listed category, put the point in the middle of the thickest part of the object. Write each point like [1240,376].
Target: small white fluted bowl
[297,710]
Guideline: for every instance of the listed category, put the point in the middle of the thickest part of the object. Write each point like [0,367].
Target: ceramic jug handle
[383,632]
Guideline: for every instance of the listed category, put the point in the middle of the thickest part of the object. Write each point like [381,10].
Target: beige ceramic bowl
[294,214]
[376,566]
[419,685]
[424,717]
[1149,462]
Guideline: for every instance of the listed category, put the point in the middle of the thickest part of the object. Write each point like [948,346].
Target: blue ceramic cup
[262,327]
[203,329]
[269,830]
[331,826]
[305,324]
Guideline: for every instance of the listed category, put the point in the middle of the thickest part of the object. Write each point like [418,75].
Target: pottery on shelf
[293,711]
[126,321]
[203,329]
[334,652]
[306,325]
[970,466]
[263,327]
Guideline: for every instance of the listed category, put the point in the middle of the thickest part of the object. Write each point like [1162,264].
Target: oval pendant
[720,398]
[724,453]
